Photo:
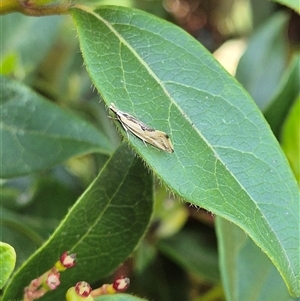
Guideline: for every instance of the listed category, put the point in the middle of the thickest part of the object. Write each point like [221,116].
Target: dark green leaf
[260,11]
[23,233]
[43,205]
[291,138]
[286,94]
[103,228]
[16,193]
[161,280]
[293,4]
[261,67]
[226,158]
[36,134]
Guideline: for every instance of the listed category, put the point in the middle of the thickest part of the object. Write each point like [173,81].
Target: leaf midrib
[122,40]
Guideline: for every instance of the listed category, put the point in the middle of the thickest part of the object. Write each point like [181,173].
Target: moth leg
[144,142]
[125,128]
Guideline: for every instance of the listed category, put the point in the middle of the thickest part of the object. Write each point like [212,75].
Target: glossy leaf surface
[226,159]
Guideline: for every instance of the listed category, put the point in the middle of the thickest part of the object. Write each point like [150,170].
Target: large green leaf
[36,134]
[226,158]
[103,227]
[248,274]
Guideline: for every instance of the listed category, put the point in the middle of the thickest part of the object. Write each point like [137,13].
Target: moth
[154,137]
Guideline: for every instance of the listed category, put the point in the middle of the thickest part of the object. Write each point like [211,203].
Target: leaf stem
[33,8]
[7,6]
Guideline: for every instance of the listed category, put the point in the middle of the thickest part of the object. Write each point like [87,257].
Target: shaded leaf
[291,138]
[281,102]
[247,273]
[42,204]
[161,280]
[37,134]
[194,252]
[19,231]
[293,4]
[226,158]
[102,228]
[21,36]
[261,67]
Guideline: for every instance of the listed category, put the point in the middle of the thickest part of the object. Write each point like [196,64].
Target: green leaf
[23,225]
[293,4]
[66,192]
[7,262]
[248,274]
[261,67]
[102,228]
[286,93]
[19,231]
[8,64]
[37,134]
[226,159]
[291,138]
[21,36]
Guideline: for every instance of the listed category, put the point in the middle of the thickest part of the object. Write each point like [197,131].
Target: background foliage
[68,183]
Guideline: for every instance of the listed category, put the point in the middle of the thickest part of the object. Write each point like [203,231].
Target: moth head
[113,107]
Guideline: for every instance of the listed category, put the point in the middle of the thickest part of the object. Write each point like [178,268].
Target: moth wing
[160,140]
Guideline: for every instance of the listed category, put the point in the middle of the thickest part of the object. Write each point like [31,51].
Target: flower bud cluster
[49,280]
[82,291]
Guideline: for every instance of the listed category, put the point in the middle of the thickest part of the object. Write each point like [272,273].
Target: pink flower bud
[121,284]
[68,260]
[72,295]
[83,289]
[52,280]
